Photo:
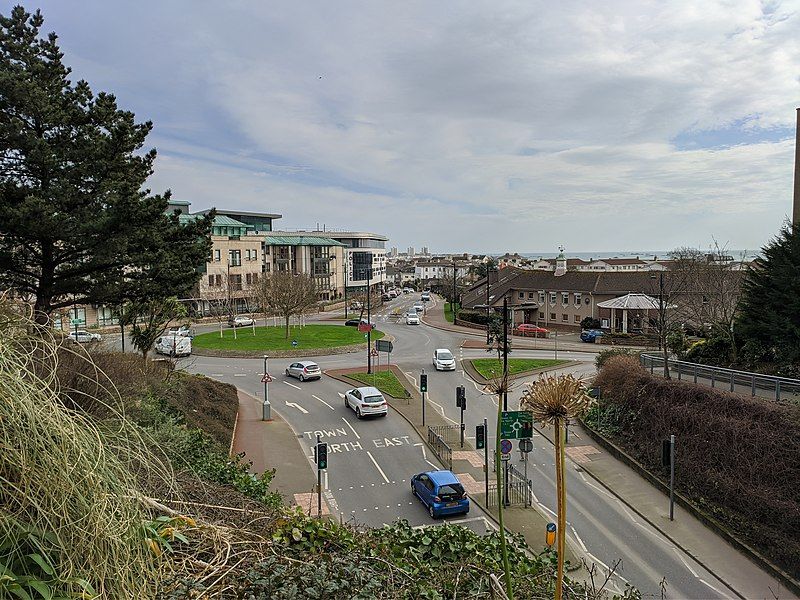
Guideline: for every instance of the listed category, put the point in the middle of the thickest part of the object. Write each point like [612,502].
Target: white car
[443,360]
[82,336]
[419,306]
[412,318]
[240,321]
[182,331]
[426,297]
[366,401]
[174,345]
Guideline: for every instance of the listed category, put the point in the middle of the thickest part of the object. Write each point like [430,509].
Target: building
[410,252]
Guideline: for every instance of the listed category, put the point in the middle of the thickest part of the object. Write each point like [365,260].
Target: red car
[529,329]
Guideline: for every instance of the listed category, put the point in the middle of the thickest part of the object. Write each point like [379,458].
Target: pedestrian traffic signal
[423,383]
[480,437]
[461,397]
[322,455]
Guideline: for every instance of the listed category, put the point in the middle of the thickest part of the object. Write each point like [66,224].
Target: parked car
[182,331]
[590,335]
[426,297]
[419,306]
[407,290]
[355,305]
[82,337]
[443,360]
[393,293]
[303,370]
[531,329]
[412,318]
[357,322]
[366,401]
[174,345]
[386,297]
[240,321]
[441,492]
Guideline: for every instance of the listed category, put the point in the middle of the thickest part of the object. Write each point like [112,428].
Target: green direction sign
[77,321]
[516,425]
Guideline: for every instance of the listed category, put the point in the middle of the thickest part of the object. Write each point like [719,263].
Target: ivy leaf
[43,564]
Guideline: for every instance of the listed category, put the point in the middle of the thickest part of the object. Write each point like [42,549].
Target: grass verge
[491,367]
[274,338]
[385,381]
[448,311]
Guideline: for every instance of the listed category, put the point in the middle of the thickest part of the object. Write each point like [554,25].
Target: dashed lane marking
[297,387]
[240,374]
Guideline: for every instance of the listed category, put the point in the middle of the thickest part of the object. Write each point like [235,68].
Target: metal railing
[756,384]
[440,447]
[449,433]
[520,490]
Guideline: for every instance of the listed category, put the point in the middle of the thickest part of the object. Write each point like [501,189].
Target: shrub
[590,323]
[472,316]
[738,457]
[710,351]
[604,355]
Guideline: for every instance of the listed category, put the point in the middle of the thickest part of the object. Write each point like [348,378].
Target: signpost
[266,379]
[385,346]
[461,402]
[526,446]
[294,343]
[423,387]
[668,460]
[516,424]
[480,442]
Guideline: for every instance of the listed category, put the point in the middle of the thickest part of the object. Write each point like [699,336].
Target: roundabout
[309,340]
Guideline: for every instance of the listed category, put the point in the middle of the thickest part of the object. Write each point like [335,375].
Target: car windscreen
[451,491]
[311,367]
[373,399]
[445,356]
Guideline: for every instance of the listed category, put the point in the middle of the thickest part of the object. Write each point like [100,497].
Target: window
[236,282]
[217,257]
[235,258]
[541,315]
[530,295]
[565,318]
[217,280]
[210,281]
[604,323]
[577,318]
[553,298]
[577,299]
[522,295]
[552,316]
[564,298]
[541,297]
[105,316]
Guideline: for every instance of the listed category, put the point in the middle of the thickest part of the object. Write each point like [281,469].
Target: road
[370,461]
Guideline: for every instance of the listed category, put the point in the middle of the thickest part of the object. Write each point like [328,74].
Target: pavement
[615,518]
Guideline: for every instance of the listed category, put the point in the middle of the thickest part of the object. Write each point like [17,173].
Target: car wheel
[346,403]
[431,512]
[287,373]
[358,412]
[301,378]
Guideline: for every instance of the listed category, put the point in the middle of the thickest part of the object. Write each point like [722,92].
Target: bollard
[266,411]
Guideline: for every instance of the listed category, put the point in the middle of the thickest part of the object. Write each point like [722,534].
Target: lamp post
[453,302]
[369,320]
[505,353]
[661,316]
[488,268]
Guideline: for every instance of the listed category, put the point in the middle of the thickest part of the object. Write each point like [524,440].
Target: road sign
[76,321]
[505,446]
[506,456]
[267,378]
[525,445]
[364,327]
[294,343]
[384,346]
[516,424]
[373,352]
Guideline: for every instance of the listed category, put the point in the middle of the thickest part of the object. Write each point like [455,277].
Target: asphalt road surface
[370,461]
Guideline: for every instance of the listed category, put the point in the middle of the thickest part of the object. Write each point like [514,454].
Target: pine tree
[76,223]
[769,321]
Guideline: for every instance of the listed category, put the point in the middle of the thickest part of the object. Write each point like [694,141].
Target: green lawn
[448,313]
[273,338]
[491,367]
[385,381]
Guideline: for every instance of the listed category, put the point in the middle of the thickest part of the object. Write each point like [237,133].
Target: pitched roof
[299,240]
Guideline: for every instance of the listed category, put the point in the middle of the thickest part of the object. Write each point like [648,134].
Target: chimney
[796,207]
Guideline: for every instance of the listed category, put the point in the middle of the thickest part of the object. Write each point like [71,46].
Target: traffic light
[423,383]
[322,455]
[461,397]
[480,437]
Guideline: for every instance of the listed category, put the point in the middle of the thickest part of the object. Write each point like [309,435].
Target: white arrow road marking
[377,466]
[297,406]
[341,395]
[297,387]
[323,401]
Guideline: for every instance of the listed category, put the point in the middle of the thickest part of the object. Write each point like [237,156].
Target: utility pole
[488,337]
[453,303]
[505,353]
[423,388]
[369,321]
[266,409]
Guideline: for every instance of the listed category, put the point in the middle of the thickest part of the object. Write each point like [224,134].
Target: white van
[174,345]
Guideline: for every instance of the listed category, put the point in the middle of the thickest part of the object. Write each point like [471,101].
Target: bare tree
[217,300]
[668,287]
[713,289]
[288,295]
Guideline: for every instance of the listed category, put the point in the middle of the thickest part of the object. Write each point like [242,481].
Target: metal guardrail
[449,433]
[518,493]
[440,447]
[757,384]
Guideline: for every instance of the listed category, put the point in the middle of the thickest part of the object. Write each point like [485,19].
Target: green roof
[219,221]
[300,240]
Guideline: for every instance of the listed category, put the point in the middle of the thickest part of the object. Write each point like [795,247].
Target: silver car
[83,337]
[303,370]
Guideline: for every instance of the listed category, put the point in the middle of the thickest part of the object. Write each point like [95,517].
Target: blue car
[590,335]
[441,492]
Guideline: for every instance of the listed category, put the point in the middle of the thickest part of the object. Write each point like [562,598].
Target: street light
[661,316]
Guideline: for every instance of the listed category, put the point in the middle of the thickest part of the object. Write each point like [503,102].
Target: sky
[473,126]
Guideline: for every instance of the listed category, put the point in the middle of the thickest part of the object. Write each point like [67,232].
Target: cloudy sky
[477,126]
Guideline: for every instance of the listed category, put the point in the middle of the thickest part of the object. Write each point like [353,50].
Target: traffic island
[482,370]
[308,340]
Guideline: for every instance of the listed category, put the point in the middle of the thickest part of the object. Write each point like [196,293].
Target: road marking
[326,479]
[424,453]
[418,444]
[297,387]
[685,564]
[712,587]
[323,401]
[577,537]
[217,375]
[240,374]
[341,395]
[297,406]
[442,411]
[431,464]
[355,433]
[377,466]
[605,566]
